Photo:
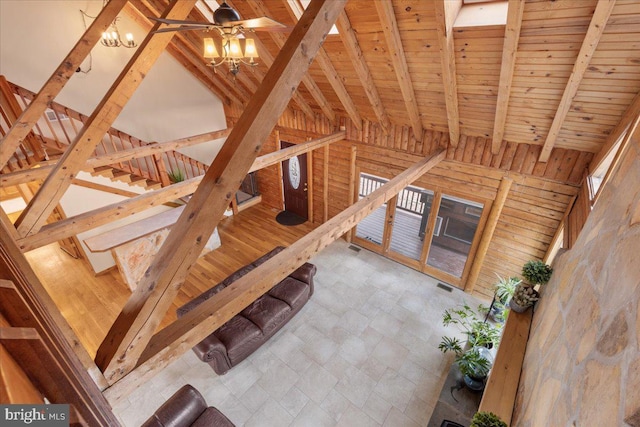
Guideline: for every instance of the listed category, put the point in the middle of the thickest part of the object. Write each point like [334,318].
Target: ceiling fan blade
[263,23]
[179,22]
[169,30]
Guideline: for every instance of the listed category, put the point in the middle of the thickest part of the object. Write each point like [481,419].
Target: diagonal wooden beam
[444,22]
[279,39]
[134,327]
[632,111]
[296,10]
[54,187]
[399,61]
[508,65]
[352,46]
[193,327]
[58,79]
[589,45]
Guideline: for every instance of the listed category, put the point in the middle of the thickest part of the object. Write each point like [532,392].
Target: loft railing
[59,126]
[410,199]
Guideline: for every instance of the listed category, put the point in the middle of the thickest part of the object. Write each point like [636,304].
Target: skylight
[476,13]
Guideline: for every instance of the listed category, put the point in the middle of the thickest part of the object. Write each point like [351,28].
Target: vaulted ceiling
[557,74]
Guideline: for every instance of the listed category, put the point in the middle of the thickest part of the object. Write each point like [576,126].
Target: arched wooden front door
[294,180]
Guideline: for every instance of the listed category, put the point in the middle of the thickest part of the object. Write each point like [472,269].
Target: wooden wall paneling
[310,186]
[132,330]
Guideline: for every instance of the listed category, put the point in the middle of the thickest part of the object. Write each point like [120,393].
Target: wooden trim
[58,79]
[325,184]
[119,352]
[589,45]
[310,186]
[511,38]
[353,187]
[295,150]
[448,60]
[487,233]
[350,41]
[181,335]
[630,114]
[396,50]
[36,213]
[61,368]
[500,392]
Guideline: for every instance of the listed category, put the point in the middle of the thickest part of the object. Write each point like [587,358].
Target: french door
[429,230]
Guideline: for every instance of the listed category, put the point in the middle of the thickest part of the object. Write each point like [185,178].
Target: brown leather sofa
[185,408]
[247,331]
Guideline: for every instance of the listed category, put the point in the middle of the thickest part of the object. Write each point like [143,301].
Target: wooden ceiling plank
[396,50]
[129,335]
[279,39]
[38,210]
[181,335]
[58,79]
[512,35]
[589,45]
[350,41]
[632,111]
[444,23]
[296,11]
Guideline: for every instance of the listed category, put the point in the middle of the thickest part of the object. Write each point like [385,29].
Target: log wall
[533,210]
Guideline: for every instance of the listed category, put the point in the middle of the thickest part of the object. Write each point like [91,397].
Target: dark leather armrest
[182,409]
[208,347]
[304,273]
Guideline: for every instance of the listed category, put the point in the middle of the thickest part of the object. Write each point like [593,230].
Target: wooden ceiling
[574,64]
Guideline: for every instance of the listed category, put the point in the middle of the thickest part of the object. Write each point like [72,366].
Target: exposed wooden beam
[36,213]
[628,117]
[508,65]
[294,150]
[296,10]
[444,22]
[352,46]
[589,45]
[399,62]
[192,328]
[58,79]
[86,221]
[279,39]
[129,335]
[487,233]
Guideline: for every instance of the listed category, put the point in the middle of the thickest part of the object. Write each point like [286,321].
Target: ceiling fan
[227,22]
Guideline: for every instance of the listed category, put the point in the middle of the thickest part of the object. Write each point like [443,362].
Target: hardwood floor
[91,303]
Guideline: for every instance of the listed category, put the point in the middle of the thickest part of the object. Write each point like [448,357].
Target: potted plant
[536,272]
[176,175]
[504,290]
[486,419]
[523,298]
[472,356]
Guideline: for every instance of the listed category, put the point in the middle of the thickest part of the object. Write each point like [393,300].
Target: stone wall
[582,365]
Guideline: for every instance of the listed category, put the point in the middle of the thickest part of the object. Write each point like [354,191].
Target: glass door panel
[453,235]
[371,228]
[410,221]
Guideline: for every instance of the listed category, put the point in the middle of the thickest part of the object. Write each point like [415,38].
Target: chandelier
[111,37]
[230,51]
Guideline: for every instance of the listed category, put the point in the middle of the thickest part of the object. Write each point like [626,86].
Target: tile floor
[362,352]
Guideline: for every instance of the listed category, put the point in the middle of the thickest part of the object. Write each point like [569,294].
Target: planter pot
[473,383]
[517,307]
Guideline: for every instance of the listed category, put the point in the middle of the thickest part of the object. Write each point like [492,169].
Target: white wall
[36,35]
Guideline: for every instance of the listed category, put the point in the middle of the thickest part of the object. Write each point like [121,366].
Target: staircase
[59,126]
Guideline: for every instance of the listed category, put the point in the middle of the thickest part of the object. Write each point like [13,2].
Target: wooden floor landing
[91,304]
